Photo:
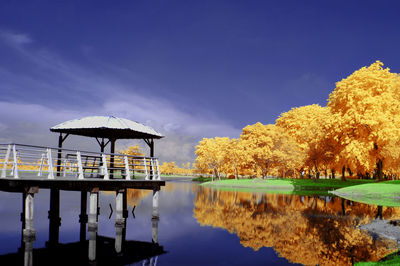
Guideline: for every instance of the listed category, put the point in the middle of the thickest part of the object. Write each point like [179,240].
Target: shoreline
[382,193]
[284,184]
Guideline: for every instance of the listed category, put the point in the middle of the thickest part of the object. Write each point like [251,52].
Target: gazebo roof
[109,127]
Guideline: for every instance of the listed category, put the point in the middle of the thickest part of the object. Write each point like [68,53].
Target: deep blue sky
[191,69]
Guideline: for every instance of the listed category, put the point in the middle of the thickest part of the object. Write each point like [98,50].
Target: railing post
[104,158]
[133,168]
[145,169]
[4,171]
[50,164]
[152,168]
[158,170]
[15,163]
[65,168]
[80,167]
[41,165]
[127,170]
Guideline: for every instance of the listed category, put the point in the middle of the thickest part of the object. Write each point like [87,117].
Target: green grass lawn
[382,193]
[391,259]
[202,179]
[286,184]
[365,191]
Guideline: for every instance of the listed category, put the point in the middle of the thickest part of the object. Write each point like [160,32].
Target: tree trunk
[216,173]
[316,176]
[333,173]
[236,173]
[316,172]
[343,207]
[379,213]
[349,171]
[379,173]
[343,173]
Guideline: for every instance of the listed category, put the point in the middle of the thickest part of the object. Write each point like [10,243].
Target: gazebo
[108,128]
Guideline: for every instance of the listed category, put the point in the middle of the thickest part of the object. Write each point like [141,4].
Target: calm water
[199,226]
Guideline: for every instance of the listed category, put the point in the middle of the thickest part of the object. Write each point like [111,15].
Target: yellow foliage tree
[132,150]
[168,168]
[212,154]
[307,125]
[268,146]
[366,108]
[235,157]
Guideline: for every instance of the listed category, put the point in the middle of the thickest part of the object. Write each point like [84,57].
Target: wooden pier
[28,169]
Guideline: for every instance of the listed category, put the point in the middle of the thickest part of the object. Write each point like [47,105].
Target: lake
[199,226]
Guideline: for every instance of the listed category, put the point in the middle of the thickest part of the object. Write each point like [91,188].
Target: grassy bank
[202,179]
[391,259]
[285,184]
[382,193]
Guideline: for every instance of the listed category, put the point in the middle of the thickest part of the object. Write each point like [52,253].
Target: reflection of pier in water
[98,250]
[77,253]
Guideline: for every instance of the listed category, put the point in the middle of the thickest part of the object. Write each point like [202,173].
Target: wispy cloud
[52,90]
[15,40]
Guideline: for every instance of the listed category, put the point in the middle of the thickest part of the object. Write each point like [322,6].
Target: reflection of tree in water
[304,229]
[135,196]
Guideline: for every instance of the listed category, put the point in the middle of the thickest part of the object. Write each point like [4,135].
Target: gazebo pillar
[60,143]
[152,148]
[150,143]
[112,151]
[102,144]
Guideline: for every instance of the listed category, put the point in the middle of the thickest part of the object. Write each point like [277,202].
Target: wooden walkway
[21,184]
[27,169]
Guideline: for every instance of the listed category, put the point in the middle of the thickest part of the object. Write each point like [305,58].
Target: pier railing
[20,161]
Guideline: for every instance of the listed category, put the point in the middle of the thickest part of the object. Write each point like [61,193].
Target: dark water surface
[199,226]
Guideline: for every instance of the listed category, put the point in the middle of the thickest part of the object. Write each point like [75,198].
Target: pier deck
[18,185]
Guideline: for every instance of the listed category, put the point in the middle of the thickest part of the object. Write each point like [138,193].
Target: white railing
[21,161]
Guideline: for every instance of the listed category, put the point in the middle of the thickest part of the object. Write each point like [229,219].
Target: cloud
[30,123]
[15,40]
[48,89]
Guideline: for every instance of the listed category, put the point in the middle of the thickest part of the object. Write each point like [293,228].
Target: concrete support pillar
[92,223]
[120,219]
[118,238]
[119,205]
[93,200]
[155,217]
[29,230]
[83,217]
[125,214]
[23,218]
[28,250]
[92,242]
